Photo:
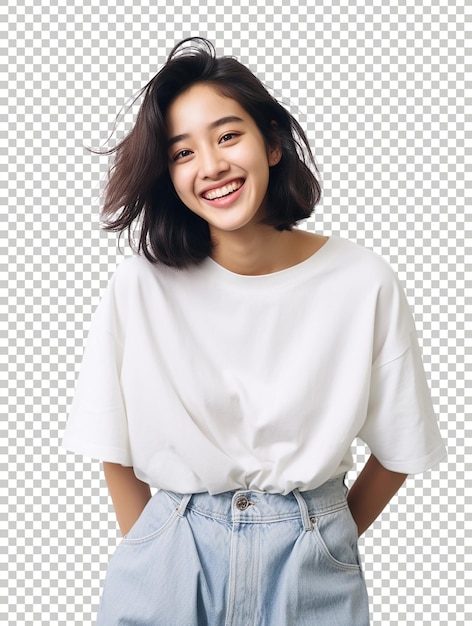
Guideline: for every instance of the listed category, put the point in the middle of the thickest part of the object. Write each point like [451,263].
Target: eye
[228,136]
[181,155]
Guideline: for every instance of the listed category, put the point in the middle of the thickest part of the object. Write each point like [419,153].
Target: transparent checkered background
[380,87]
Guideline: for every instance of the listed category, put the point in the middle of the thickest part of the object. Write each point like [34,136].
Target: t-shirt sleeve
[401,428]
[97,424]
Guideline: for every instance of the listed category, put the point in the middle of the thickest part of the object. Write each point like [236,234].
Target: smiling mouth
[225,190]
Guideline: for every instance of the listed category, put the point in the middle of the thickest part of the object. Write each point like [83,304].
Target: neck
[263,251]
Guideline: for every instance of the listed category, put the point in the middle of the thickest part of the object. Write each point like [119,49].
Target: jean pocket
[157,516]
[336,534]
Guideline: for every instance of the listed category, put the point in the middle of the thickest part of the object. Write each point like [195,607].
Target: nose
[212,163]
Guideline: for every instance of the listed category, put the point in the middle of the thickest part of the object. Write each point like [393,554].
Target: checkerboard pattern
[381,89]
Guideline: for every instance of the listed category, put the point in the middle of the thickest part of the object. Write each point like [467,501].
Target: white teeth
[223,191]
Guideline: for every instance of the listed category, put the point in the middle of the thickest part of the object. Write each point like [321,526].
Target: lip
[225,200]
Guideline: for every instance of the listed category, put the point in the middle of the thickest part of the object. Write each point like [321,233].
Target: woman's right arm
[129,494]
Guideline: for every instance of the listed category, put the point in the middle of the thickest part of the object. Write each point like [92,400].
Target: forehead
[200,105]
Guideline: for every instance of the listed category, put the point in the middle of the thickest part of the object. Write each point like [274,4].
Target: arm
[372,491]
[129,494]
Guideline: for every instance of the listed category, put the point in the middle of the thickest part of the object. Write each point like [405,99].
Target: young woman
[231,364]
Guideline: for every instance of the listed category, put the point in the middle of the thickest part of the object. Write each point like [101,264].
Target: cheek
[258,162]
[261,169]
[180,182]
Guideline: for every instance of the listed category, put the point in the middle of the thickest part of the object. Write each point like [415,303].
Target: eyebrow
[213,125]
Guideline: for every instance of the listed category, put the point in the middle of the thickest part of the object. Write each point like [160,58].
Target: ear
[275,154]
[275,151]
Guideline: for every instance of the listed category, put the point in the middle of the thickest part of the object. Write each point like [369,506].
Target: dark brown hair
[140,193]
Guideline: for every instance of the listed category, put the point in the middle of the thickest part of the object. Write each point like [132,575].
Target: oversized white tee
[207,380]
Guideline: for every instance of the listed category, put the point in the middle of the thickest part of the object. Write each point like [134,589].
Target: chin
[229,226]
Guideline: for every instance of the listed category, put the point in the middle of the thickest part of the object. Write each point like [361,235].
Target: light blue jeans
[240,558]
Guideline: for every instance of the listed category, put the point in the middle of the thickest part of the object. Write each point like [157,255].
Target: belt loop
[183,505]
[307,525]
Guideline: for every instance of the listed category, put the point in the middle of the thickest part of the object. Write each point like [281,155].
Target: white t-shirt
[207,380]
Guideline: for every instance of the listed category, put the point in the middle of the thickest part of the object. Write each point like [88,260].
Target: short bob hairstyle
[139,192]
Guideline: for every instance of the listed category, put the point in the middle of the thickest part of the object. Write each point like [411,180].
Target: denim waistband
[252,506]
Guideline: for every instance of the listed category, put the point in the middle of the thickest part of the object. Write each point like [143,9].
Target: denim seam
[328,510]
[313,512]
[324,548]
[131,542]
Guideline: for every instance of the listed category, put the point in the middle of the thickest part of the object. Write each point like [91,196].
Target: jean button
[242,503]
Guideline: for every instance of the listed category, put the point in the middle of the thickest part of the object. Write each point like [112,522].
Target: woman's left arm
[371,492]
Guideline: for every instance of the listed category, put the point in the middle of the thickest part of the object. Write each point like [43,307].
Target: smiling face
[218,159]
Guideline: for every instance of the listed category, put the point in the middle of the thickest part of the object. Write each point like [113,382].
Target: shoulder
[362,265]
[369,282]
[132,267]
[133,280]
[136,269]
[373,285]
